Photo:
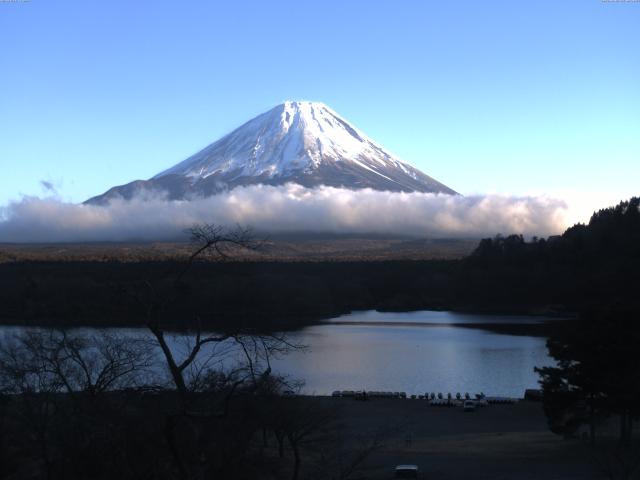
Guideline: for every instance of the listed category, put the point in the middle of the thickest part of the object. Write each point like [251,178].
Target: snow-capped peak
[294,136]
[297,141]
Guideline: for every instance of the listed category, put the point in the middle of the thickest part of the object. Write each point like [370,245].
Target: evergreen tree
[598,372]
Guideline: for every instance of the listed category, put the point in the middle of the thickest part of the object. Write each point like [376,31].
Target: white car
[406,471]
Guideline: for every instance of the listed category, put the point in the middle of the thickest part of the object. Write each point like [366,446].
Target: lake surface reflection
[416,352]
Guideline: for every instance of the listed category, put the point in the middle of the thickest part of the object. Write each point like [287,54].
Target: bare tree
[57,380]
[23,376]
[90,364]
[218,364]
[255,349]
[344,456]
[303,424]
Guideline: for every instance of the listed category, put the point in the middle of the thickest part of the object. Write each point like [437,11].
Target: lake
[414,352]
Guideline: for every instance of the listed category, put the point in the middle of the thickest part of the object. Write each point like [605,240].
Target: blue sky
[492,96]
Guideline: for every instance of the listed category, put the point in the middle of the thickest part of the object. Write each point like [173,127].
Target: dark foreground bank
[140,435]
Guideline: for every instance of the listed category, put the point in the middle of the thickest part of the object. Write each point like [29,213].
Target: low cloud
[281,209]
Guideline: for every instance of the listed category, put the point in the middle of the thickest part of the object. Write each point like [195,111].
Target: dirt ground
[494,442]
[309,248]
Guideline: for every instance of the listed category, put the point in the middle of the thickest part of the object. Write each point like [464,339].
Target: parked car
[406,471]
[469,406]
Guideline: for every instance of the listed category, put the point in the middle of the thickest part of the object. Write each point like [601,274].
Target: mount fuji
[299,142]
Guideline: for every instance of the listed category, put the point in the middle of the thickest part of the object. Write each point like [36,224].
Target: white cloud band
[280,209]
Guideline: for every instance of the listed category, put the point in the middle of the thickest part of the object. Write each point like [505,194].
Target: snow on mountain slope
[300,142]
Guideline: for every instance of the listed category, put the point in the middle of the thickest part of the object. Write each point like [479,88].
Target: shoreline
[532,329]
[540,329]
